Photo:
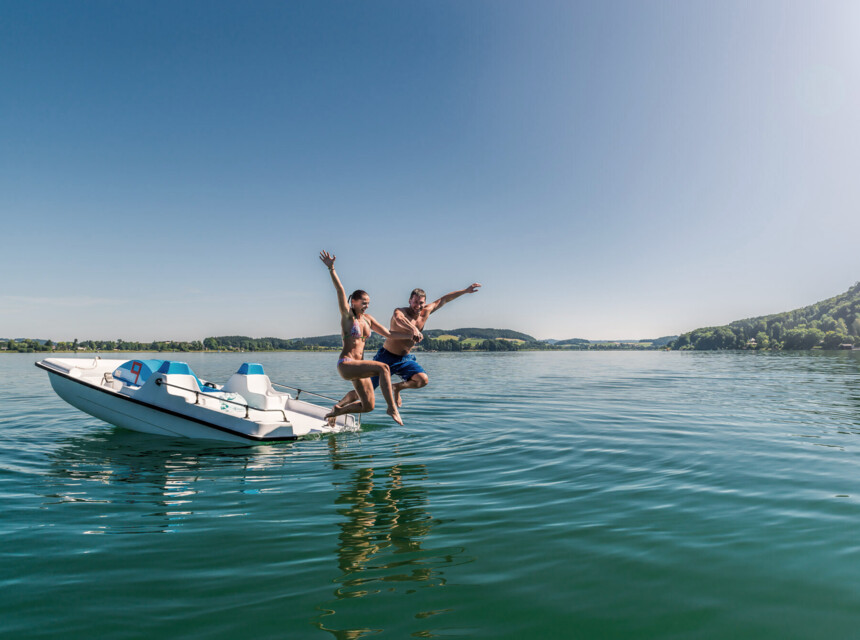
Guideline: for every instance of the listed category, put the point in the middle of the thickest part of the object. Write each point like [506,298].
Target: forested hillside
[466,339]
[826,324]
[575,342]
[482,334]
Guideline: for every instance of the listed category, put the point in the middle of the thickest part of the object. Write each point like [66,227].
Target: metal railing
[356,416]
[301,391]
[160,381]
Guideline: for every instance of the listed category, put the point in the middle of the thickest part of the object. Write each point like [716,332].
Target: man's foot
[397,399]
[392,411]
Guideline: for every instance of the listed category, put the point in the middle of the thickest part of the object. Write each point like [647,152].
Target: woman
[355,326]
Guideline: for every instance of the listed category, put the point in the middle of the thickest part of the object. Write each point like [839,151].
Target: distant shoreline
[451,340]
[598,347]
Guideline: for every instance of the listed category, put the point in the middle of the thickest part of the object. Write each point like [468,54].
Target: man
[396,352]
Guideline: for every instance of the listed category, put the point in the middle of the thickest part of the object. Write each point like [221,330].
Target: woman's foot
[332,415]
[395,415]
[397,399]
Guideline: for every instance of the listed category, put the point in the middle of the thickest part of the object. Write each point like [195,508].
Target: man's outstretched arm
[438,304]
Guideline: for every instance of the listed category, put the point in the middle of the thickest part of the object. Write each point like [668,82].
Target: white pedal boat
[165,397]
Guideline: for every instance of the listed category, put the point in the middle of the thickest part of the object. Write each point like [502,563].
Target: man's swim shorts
[403,366]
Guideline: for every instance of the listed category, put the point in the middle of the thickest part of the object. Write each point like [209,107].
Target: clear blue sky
[171,170]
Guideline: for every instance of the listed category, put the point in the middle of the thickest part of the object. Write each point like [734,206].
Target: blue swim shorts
[403,366]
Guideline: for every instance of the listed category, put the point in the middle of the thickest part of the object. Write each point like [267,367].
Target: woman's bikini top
[355,332]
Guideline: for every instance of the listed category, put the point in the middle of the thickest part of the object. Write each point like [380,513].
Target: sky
[606,170]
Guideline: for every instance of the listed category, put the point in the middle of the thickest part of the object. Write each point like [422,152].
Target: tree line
[485,334]
[464,340]
[827,324]
[29,345]
[245,343]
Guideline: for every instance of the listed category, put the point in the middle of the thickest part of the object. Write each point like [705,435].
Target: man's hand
[448,297]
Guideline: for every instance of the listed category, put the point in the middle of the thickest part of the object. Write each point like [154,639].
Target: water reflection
[383,529]
[151,483]
[121,482]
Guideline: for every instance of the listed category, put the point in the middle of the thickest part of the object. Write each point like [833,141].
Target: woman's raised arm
[328,260]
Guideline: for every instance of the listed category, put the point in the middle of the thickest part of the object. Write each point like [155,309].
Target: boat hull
[126,413]
[174,405]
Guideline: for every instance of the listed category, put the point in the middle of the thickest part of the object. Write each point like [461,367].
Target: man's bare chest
[419,320]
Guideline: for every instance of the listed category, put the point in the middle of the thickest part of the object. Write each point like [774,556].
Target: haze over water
[557,494]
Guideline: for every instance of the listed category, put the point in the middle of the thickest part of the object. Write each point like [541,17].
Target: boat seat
[251,382]
[136,372]
[172,367]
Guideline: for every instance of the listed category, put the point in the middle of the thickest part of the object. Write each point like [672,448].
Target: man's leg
[415,382]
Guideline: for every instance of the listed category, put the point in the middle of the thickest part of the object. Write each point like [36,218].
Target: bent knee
[421,379]
[367,405]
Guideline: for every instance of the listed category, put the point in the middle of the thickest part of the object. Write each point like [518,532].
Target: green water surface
[529,495]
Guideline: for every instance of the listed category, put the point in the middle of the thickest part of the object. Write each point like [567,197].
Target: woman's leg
[364,370]
[351,396]
[363,403]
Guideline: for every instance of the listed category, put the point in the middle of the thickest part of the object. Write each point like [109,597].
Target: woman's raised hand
[327,258]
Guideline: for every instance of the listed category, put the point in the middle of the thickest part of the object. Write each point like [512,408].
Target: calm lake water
[529,495]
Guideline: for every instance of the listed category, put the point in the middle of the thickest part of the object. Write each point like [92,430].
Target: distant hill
[463,339]
[481,334]
[827,324]
[582,343]
[661,342]
[333,340]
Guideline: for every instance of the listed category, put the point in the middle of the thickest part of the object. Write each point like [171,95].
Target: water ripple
[529,494]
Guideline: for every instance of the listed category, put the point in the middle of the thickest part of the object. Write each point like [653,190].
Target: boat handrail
[356,416]
[95,364]
[198,393]
[301,391]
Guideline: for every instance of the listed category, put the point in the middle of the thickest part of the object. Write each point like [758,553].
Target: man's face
[416,303]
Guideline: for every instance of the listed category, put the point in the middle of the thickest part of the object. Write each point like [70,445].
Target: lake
[529,495]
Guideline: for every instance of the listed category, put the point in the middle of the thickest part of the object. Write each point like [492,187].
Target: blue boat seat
[251,369]
[137,372]
[181,368]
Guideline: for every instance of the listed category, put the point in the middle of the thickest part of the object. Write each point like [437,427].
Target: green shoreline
[548,347]
[461,340]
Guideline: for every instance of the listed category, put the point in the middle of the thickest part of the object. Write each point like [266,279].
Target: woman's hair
[356,294]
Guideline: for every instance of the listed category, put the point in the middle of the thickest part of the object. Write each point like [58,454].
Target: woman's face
[360,304]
